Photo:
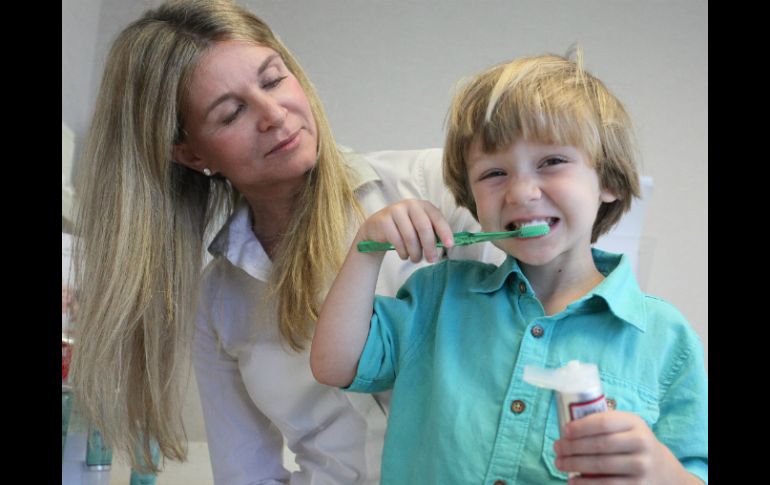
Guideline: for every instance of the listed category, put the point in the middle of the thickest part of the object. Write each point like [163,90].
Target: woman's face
[248,119]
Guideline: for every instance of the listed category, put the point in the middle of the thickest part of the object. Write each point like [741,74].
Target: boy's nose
[522,190]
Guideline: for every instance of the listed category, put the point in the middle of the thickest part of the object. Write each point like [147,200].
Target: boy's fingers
[408,232]
[391,234]
[602,464]
[599,423]
[440,225]
[412,227]
[597,445]
[440,229]
[424,227]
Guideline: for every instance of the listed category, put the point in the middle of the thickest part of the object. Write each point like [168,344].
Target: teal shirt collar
[619,289]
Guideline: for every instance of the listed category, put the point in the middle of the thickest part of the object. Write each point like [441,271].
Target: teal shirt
[453,344]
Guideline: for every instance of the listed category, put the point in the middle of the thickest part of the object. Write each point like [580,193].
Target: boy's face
[533,182]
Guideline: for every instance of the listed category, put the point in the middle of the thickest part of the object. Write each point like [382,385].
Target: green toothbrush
[465,238]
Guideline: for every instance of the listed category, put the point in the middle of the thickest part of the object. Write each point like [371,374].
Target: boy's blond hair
[548,99]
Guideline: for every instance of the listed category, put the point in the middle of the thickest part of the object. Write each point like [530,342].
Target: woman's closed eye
[273,83]
[232,116]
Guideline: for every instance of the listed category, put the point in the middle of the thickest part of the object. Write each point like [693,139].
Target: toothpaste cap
[574,377]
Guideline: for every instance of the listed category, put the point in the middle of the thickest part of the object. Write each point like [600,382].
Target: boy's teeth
[514,226]
[536,222]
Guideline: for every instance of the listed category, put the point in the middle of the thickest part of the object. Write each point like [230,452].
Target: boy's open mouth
[516,225]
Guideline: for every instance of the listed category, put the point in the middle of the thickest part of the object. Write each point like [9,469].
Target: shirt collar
[236,242]
[495,280]
[618,289]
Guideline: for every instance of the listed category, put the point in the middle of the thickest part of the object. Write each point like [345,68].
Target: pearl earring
[207,172]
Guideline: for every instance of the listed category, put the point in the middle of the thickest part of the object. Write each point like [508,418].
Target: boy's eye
[552,161]
[273,82]
[233,115]
[491,173]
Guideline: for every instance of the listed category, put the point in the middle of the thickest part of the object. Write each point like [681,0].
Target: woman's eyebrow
[266,63]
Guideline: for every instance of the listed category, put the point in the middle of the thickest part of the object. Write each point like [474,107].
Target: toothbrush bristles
[534,231]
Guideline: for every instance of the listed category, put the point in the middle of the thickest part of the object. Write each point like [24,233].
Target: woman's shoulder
[387,158]
[389,164]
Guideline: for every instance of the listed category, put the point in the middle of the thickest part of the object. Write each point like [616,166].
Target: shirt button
[499,482]
[537,331]
[517,406]
[611,403]
[522,287]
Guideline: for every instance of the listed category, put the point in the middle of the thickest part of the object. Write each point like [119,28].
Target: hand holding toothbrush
[411,227]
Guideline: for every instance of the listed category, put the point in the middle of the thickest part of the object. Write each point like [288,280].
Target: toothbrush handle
[464,238]
[371,246]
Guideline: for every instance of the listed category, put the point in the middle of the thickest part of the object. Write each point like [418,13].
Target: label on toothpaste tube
[579,409]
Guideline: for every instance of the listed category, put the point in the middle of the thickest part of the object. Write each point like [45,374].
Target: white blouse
[255,391]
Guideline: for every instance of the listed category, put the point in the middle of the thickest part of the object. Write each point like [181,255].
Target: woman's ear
[183,154]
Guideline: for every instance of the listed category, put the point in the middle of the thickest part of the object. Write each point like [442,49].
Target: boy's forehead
[474,152]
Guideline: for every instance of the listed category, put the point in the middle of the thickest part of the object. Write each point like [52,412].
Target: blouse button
[517,406]
[522,287]
[537,331]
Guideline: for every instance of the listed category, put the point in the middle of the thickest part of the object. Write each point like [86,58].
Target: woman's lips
[286,144]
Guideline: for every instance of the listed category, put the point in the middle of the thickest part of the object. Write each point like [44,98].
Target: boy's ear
[183,154]
[606,196]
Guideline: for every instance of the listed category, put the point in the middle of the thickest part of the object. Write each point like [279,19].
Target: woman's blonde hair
[549,99]
[142,220]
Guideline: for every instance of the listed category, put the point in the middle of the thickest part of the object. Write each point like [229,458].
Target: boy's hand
[619,446]
[411,226]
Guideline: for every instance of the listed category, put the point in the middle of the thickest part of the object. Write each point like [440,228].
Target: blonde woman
[203,116]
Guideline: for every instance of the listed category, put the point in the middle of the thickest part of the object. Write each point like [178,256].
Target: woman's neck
[270,219]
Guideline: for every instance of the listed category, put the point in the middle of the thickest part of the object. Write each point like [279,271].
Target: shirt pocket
[621,395]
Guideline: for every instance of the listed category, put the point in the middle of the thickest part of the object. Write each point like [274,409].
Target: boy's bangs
[524,114]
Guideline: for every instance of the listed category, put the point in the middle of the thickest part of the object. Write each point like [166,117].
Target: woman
[203,115]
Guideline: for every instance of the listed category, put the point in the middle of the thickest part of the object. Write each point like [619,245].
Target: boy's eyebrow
[469,159]
[228,95]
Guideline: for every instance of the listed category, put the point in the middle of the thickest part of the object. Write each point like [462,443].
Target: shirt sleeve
[431,180]
[683,423]
[397,330]
[244,446]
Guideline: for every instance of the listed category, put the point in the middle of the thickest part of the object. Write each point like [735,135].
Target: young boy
[536,140]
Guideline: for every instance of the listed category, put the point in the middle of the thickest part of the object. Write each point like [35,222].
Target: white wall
[79,29]
[385,70]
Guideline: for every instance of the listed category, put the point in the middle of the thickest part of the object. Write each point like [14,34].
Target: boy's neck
[560,283]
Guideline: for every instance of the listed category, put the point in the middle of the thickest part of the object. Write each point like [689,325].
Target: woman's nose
[271,114]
